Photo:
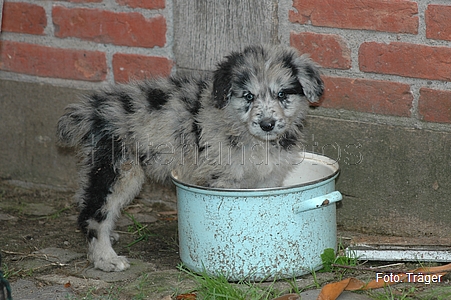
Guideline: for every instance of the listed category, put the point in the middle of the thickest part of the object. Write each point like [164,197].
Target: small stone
[6,217]
[38,209]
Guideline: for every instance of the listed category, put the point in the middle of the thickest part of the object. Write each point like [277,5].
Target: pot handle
[321,201]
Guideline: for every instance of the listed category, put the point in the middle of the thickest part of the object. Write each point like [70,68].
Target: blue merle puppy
[239,127]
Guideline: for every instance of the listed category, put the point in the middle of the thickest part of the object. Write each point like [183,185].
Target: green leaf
[328,258]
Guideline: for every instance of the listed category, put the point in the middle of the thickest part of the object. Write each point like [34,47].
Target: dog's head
[266,87]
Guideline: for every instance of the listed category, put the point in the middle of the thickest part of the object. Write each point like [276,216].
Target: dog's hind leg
[106,191]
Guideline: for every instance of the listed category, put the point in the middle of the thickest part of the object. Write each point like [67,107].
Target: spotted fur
[240,127]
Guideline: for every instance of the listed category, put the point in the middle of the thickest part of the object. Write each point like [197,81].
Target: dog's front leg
[101,252]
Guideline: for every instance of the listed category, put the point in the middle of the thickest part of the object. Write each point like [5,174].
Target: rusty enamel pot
[261,234]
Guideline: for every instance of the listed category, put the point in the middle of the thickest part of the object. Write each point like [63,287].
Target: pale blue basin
[261,234]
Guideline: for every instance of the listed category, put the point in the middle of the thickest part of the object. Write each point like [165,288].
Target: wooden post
[1,14]
[205,31]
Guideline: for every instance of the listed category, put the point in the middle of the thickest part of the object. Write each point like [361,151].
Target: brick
[379,15]
[134,66]
[438,24]
[404,59]
[435,105]
[101,26]
[85,1]
[364,95]
[52,62]
[329,50]
[23,18]
[147,4]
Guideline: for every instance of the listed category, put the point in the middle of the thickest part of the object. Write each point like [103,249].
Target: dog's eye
[248,96]
[281,95]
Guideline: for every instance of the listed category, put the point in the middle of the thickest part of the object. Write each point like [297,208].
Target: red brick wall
[85,40]
[387,57]
[390,57]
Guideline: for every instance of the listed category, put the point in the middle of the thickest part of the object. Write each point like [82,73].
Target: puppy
[240,127]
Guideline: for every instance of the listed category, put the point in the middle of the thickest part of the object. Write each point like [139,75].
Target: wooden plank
[205,31]
[400,253]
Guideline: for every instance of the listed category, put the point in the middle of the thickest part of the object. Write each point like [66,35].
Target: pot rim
[314,157]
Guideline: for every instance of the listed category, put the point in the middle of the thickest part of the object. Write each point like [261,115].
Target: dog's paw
[103,257]
[112,264]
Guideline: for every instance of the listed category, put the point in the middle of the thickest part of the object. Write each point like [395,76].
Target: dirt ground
[34,219]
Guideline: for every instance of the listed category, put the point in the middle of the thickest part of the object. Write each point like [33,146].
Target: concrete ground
[154,284]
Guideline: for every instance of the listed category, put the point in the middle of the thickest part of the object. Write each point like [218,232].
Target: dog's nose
[267,124]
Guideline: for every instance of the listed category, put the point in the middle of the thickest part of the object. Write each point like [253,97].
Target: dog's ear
[222,80]
[308,75]
[222,86]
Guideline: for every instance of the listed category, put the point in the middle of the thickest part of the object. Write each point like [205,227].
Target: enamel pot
[261,234]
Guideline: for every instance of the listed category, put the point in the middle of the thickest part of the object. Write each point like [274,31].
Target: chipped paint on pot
[261,234]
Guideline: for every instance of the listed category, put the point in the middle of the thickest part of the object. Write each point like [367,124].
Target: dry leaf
[186,297]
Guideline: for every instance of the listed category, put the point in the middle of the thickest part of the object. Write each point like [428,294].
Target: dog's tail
[75,125]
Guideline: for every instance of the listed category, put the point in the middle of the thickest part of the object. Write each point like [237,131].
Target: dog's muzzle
[267,124]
